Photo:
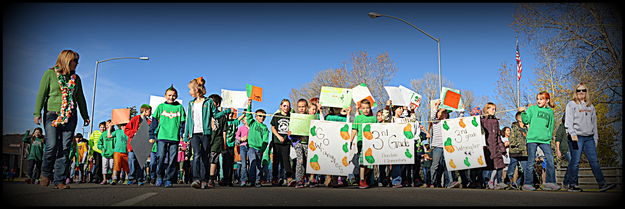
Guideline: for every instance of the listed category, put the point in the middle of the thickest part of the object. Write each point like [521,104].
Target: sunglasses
[581,90]
[261,116]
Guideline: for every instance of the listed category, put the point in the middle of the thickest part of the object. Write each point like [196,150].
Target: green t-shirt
[231,132]
[120,141]
[540,121]
[217,143]
[338,118]
[358,122]
[170,118]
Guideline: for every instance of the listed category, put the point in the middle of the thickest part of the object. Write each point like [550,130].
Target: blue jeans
[167,150]
[585,144]
[58,143]
[395,174]
[438,167]
[426,175]
[255,158]
[531,159]
[243,169]
[512,166]
[153,163]
[200,144]
[136,171]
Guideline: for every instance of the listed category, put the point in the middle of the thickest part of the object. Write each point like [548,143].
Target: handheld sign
[234,99]
[140,144]
[299,124]
[463,143]
[254,92]
[361,92]
[451,99]
[335,97]
[120,116]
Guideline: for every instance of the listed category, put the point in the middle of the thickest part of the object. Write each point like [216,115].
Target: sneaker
[196,184]
[363,184]
[141,183]
[491,185]
[550,187]
[258,185]
[68,181]
[210,184]
[528,187]
[36,181]
[153,181]
[574,188]
[397,186]
[113,182]
[454,184]
[159,182]
[299,185]
[243,184]
[606,187]
[168,184]
[500,186]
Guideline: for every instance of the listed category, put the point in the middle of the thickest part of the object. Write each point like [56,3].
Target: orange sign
[452,99]
[255,93]
[120,116]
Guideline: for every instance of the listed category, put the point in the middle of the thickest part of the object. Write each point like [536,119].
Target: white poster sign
[389,143]
[463,143]
[328,148]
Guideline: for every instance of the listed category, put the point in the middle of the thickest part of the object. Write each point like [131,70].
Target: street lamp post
[95,77]
[438,42]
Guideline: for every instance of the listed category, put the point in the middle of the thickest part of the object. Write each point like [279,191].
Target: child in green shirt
[365,117]
[539,134]
[171,117]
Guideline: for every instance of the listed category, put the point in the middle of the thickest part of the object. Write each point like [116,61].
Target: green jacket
[258,134]
[106,145]
[209,110]
[518,145]
[35,152]
[50,94]
[540,121]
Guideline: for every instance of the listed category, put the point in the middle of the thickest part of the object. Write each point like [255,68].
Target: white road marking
[135,200]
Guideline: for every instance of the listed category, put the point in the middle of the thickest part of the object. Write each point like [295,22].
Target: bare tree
[428,88]
[506,94]
[375,73]
[580,42]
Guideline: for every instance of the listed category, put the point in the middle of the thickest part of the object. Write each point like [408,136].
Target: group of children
[211,145]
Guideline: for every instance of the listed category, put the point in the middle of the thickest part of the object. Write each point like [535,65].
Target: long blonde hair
[63,60]
[488,105]
[198,85]
[587,99]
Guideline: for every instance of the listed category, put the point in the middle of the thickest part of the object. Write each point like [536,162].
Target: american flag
[519,67]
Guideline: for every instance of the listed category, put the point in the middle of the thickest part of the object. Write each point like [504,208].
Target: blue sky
[275,46]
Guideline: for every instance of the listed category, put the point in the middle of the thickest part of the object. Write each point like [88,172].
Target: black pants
[416,170]
[227,156]
[97,167]
[34,168]
[281,156]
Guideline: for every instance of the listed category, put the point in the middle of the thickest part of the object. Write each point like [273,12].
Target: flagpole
[518,90]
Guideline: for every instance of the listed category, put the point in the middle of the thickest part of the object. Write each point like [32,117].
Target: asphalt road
[21,194]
